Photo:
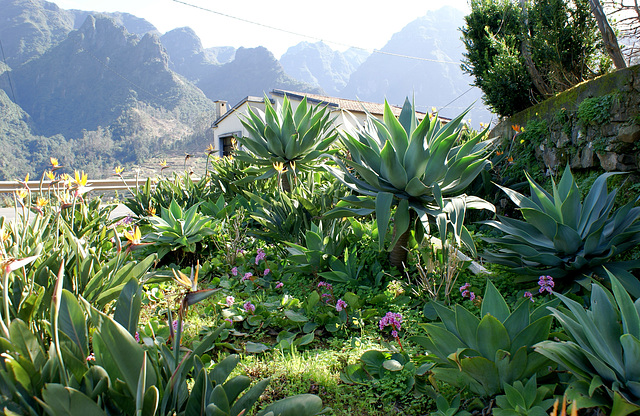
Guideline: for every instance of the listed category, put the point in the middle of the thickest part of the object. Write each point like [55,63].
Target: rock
[563,140]
[608,161]
[587,157]
[629,134]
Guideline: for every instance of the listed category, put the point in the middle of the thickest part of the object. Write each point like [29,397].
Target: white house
[228,125]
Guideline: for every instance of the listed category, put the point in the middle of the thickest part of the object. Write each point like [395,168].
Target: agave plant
[604,347]
[281,140]
[416,168]
[565,238]
[485,353]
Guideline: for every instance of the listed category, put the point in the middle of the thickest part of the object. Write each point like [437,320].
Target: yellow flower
[151,211]
[42,202]
[521,141]
[54,162]
[81,178]
[26,178]
[279,167]
[191,283]
[133,237]
[516,128]
[434,110]
[163,163]
[50,175]
[21,194]
[209,149]
[5,235]
[118,170]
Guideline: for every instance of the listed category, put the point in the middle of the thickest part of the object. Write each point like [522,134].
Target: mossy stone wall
[595,124]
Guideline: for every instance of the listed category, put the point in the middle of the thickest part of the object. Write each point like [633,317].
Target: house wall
[231,125]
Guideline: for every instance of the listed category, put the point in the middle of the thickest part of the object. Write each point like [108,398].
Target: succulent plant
[485,353]
[604,347]
[281,140]
[415,167]
[567,238]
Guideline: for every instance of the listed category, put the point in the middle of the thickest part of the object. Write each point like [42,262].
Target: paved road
[119,211]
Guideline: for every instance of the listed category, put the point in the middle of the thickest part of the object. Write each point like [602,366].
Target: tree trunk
[284,182]
[608,36]
[525,48]
[398,255]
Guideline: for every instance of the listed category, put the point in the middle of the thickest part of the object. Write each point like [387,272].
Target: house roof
[348,105]
[353,106]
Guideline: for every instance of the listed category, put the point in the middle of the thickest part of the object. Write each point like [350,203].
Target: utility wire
[313,37]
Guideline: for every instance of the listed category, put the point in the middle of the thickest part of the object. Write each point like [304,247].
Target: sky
[338,23]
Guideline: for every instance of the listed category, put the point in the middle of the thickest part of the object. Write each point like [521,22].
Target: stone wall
[601,132]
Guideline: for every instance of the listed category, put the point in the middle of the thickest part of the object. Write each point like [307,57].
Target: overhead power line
[313,37]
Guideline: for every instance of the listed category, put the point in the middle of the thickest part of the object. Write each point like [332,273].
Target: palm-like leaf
[415,166]
[564,237]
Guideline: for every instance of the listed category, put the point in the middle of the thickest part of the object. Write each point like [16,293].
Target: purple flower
[175,325]
[546,283]
[247,276]
[394,333]
[229,320]
[464,288]
[326,297]
[260,256]
[249,307]
[465,293]
[325,285]
[234,271]
[279,285]
[394,320]
[529,295]
[340,305]
[230,301]
[137,336]
[472,296]
[266,272]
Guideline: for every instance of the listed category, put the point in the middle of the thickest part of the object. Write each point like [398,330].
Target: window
[228,144]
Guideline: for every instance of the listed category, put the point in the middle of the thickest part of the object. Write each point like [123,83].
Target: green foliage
[565,237]
[596,110]
[383,371]
[563,42]
[524,399]
[444,408]
[485,353]
[282,141]
[603,350]
[178,231]
[413,167]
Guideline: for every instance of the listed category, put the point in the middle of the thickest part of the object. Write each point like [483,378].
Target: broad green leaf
[128,306]
[491,336]
[299,405]
[72,321]
[493,303]
[384,201]
[246,402]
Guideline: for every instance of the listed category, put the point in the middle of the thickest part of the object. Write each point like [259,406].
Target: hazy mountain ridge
[436,79]
[319,65]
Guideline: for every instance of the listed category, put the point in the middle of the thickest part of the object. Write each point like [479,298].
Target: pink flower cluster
[529,295]
[546,284]
[394,320]
[246,276]
[279,285]
[249,307]
[464,289]
[340,305]
[260,256]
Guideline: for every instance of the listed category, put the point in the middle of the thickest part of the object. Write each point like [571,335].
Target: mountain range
[102,89]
